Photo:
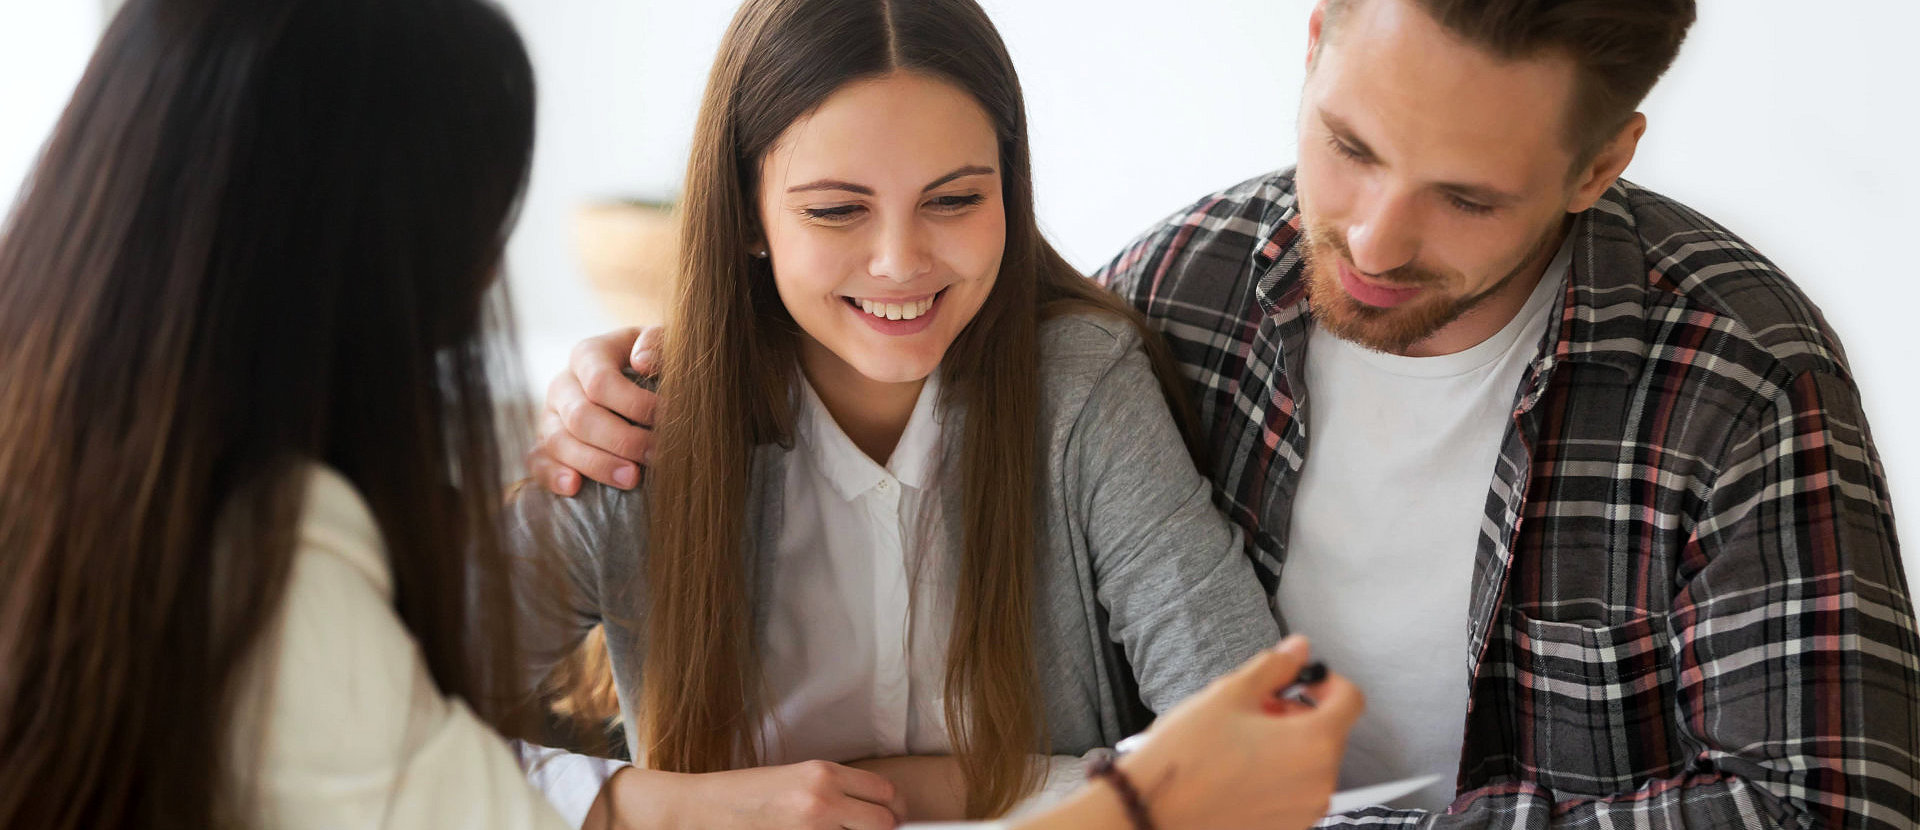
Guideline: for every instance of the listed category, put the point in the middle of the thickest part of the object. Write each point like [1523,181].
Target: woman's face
[884,222]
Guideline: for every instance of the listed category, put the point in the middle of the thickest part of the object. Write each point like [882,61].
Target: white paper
[1358,797]
[954,825]
[1343,802]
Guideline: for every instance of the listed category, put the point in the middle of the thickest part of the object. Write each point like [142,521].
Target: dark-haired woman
[248,473]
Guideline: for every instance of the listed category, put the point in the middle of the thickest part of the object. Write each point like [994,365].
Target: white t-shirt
[1386,524]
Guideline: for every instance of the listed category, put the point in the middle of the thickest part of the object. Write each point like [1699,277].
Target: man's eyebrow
[1345,133]
[1490,196]
[850,187]
[1470,191]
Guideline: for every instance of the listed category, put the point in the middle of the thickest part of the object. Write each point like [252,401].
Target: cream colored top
[342,717]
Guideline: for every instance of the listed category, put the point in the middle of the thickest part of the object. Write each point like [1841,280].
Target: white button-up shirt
[860,609]
[860,600]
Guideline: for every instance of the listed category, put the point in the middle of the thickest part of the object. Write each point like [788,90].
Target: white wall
[1792,128]
[44,46]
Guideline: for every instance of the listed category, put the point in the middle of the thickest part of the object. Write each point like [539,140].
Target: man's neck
[1498,305]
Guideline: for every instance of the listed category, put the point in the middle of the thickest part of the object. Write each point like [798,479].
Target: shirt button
[885,485]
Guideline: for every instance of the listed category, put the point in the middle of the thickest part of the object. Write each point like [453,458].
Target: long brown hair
[728,371]
[261,236]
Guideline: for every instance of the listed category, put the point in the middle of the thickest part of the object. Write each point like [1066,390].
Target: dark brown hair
[1619,47]
[260,237]
[729,365]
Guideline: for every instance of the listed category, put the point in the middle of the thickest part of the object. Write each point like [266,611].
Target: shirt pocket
[1591,705]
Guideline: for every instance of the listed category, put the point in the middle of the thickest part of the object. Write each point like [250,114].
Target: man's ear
[1606,166]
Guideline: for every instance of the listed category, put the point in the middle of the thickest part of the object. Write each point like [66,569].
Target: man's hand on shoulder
[598,423]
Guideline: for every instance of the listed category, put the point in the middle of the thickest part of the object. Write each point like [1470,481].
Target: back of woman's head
[260,236]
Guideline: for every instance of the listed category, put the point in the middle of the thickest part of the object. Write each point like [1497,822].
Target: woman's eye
[958,202]
[832,214]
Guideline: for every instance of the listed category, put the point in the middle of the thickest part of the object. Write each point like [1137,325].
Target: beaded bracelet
[1104,770]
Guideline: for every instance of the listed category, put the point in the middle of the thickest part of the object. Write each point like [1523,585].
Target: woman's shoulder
[336,523]
[1081,349]
[342,723]
[1085,344]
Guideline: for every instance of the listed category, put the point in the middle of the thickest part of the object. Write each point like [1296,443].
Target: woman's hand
[597,423]
[1232,756]
[931,787]
[812,795]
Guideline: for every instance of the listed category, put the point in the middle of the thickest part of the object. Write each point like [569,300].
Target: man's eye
[1469,208]
[1341,148]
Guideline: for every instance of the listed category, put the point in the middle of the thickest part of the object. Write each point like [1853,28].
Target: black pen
[1296,692]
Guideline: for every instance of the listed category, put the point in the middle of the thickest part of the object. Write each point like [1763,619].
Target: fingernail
[642,355]
[626,476]
[567,482]
[1293,644]
[648,457]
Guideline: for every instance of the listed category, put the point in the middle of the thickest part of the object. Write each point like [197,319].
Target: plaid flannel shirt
[1688,606]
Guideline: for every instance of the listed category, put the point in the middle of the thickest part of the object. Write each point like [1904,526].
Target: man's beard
[1394,330]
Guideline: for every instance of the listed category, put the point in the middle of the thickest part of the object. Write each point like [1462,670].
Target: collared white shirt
[860,613]
[860,603]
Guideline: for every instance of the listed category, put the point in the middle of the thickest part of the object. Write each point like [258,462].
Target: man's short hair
[1620,48]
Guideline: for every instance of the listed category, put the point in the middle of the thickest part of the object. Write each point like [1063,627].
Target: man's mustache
[1409,276]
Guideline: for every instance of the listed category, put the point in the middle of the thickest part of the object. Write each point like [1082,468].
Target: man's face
[1434,179]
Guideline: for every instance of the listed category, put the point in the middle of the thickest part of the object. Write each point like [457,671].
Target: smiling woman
[882,274]
[918,517]
[862,187]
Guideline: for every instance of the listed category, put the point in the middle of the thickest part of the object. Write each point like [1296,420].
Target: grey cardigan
[1144,592]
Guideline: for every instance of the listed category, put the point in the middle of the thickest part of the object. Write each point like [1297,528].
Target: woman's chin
[897,371]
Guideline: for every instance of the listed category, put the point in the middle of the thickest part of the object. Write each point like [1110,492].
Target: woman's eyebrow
[832,184]
[850,187]
[961,173]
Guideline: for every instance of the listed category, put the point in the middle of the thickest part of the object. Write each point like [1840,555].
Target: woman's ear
[757,232]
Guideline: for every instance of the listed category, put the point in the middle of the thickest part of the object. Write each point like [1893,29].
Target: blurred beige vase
[630,251]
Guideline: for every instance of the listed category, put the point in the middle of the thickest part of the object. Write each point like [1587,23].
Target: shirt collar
[846,467]
[1603,316]
[913,458]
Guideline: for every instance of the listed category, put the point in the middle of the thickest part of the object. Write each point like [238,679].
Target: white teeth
[896,311]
